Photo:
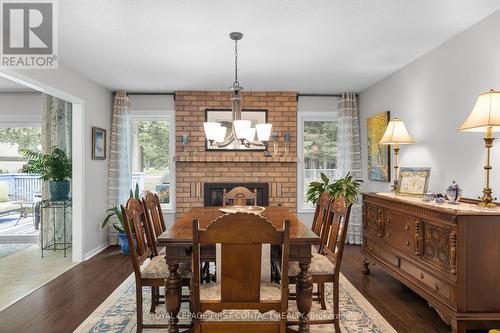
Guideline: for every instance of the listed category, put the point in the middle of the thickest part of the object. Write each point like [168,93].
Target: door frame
[78,154]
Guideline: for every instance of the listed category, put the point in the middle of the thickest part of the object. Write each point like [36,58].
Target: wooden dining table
[178,241]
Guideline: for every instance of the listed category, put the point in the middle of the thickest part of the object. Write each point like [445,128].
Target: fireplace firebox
[214,192]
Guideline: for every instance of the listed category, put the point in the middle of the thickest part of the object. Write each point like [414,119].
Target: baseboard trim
[95,251]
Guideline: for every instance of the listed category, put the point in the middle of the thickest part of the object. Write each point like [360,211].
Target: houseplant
[347,186]
[120,227]
[54,168]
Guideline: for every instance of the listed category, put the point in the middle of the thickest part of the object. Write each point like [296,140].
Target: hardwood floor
[62,304]
[65,302]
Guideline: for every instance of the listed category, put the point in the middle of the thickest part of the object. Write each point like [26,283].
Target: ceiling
[313,46]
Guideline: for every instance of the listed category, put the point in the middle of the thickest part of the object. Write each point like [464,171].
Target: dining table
[178,242]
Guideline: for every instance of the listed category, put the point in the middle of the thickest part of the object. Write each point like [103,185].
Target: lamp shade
[396,133]
[263,131]
[211,130]
[220,134]
[241,128]
[485,114]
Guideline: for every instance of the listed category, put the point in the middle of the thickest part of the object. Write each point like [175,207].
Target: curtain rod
[173,94]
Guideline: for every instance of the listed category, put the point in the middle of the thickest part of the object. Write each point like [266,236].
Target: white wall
[20,107]
[433,95]
[97,112]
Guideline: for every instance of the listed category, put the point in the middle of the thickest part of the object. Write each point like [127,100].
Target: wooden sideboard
[448,254]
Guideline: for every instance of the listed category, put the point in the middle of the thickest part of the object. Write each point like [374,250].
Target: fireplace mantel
[211,157]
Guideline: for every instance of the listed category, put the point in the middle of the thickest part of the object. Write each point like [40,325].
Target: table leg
[173,292]
[304,290]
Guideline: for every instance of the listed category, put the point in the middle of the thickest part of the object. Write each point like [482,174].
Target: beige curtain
[349,155]
[119,176]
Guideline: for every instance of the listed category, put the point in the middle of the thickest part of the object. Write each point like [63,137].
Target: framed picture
[379,156]
[225,117]
[98,143]
[163,191]
[413,181]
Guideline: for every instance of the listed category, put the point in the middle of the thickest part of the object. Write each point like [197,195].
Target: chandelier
[240,131]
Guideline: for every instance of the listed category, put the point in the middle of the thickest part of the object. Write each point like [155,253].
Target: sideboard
[448,254]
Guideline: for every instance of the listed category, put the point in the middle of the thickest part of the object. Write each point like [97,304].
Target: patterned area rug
[117,312]
[10,248]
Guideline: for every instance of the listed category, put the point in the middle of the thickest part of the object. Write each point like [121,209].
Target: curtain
[119,157]
[349,156]
[56,133]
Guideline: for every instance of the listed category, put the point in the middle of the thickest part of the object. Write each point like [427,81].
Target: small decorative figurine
[429,196]
[439,198]
[454,193]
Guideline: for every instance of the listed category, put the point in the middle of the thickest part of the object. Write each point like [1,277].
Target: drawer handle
[407,227]
[371,248]
[436,287]
[421,275]
[388,221]
[407,243]
[388,234]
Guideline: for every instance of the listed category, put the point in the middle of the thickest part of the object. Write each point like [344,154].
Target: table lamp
[395,135]
[485,117]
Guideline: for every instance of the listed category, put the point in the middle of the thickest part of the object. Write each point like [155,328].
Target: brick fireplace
[195,166]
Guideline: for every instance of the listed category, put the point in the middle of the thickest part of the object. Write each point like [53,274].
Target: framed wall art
[98,143]
[379,156]
[225,117]
[413,181]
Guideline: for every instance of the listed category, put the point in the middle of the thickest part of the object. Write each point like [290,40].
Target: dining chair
[149,270]
[239,288]
[154,215]
[239,196]
[325,265]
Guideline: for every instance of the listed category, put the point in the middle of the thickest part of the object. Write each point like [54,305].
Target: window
[317,151]
[153,145]
[11,140]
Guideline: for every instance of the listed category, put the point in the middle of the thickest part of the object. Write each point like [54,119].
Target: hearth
[213,192]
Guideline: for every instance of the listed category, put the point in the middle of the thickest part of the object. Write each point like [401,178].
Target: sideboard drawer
[400,231]
[381,253]
[422,277]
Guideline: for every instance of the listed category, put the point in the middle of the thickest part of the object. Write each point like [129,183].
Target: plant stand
[55,206]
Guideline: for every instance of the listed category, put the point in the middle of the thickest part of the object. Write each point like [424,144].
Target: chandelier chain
[236,83]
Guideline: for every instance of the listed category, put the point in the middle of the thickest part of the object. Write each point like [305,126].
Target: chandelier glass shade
[241,131]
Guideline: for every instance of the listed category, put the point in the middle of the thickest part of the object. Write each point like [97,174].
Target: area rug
[117,312]
[10,248]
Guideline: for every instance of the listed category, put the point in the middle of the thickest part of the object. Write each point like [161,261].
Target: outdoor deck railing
[22,186]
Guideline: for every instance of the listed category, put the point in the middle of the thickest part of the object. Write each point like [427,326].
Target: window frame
[162,115]
[303,116]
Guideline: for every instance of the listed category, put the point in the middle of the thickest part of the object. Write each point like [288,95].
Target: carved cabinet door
[439,246]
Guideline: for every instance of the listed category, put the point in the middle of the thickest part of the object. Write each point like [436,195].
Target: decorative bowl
[243,209]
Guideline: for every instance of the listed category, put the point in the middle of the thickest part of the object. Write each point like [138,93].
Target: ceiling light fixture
[241,130]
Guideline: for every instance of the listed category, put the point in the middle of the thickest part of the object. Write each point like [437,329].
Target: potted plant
[347,186]
[120,227]
[54,168]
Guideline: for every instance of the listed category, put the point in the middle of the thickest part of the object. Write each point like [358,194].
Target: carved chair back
[335,236]
[320,216]
[239,195]
[241,237]
[154,216]
[138,234]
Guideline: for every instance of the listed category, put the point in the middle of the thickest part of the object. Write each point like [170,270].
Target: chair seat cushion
[157,268]
[268,291]
[320,265]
